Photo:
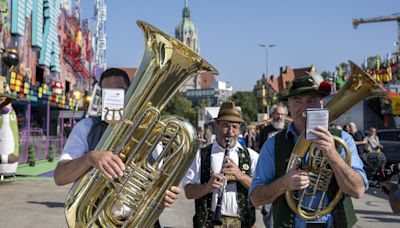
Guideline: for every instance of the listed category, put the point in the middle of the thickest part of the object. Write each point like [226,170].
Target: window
[389,135]
[39,75]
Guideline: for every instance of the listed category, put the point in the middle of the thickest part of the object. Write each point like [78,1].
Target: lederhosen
[343,214]
[203,215]
[96,131]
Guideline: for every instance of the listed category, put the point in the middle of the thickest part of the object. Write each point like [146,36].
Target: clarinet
[217,214]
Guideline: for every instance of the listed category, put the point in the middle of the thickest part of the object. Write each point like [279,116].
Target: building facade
[46,66]
[217,94]
[267,89]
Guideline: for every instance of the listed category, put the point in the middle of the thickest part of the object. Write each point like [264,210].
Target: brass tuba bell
[136,199]
[359,86]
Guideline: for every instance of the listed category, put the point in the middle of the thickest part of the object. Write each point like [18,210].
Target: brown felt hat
[229,112]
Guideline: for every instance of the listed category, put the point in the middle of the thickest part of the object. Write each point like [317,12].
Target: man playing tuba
[272,181]
[79,156]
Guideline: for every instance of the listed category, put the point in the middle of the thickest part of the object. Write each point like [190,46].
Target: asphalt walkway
[31,203]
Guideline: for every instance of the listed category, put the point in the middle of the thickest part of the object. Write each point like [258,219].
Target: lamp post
[266,46]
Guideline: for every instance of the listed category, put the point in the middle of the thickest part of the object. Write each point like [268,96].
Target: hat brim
[229,118]
[304,91]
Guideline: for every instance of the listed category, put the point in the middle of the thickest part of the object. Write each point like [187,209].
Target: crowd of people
[236,169]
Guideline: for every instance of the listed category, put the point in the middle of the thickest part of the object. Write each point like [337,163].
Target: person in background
[250,138]
[272,180]
[359,138]
[346,128]
[339,127]
[200,137]
[207,134]
[279,114]
[373,141]
[204,178]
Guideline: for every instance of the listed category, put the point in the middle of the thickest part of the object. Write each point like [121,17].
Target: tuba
[136,198]
[359,86]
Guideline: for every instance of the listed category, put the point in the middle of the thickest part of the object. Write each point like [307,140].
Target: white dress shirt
[229,205]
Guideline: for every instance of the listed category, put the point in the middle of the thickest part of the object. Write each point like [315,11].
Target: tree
[32,155]
[248,102]
[181,106]
[342,70]
[50,156]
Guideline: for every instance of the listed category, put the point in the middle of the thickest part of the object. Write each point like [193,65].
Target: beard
[279,125]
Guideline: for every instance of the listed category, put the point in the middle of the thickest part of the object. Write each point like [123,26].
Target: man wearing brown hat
[207,175]
[272,181]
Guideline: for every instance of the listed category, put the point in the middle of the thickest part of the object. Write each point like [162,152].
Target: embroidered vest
[343,214]
[203,215]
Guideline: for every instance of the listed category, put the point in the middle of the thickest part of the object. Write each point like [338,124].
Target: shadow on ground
[48,204]
[378,216]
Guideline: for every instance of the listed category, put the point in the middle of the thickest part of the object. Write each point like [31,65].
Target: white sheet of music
[316,117]
[112,99]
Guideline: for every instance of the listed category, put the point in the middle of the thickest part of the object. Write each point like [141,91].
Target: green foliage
[181,106]
[342,70]
[32,155]
[248,102]
[50,156]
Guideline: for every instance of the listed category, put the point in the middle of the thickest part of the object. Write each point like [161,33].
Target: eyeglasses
[227,125]
[306,100]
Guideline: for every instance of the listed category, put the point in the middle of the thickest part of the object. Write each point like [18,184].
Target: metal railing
[37,138]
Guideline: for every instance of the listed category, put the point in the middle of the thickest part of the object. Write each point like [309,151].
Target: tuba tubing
[166,65]
[359,86]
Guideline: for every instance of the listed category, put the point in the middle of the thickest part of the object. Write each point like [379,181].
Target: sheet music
[316,117]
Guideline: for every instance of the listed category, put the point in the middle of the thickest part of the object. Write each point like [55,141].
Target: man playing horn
[272,180]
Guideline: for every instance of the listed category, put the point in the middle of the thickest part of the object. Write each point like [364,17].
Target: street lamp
[266,46]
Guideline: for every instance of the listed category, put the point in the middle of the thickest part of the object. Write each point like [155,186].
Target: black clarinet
[217,214]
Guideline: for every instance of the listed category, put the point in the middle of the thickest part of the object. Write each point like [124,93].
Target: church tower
[187,33]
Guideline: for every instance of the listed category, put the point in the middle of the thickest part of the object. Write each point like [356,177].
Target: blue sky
[305,32]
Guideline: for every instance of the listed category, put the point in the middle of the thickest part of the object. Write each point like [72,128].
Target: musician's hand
[325,142]
[171,195]
[215,182]
[107,163]
[388,187]
[296,179]
[232,169]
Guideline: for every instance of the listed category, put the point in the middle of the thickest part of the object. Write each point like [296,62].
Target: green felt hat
[307,85]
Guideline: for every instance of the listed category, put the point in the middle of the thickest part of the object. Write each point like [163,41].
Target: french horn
[359,86]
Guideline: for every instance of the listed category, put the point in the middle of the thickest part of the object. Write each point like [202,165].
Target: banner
[396,105]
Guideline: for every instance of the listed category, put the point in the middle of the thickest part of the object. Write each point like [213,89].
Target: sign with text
[396,105]
[112,104]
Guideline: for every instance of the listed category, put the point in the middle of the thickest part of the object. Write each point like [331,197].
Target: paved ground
[41,204]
